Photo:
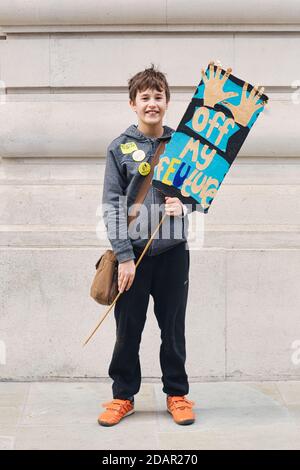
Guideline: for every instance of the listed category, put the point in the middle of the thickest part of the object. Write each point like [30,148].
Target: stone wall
[64,68]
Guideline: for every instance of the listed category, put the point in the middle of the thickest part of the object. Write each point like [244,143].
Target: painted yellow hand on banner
[244,111]
[213,86]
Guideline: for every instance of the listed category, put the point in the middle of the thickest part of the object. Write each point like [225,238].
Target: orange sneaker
[181,409]
[115,411]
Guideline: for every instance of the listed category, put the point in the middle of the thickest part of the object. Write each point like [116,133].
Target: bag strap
[143,189]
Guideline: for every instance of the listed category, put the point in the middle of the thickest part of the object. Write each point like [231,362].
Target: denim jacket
[122,180]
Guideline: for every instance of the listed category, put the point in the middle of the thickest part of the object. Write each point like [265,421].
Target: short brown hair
[148,78]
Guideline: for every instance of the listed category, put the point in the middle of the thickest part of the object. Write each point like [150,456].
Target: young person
[164,269]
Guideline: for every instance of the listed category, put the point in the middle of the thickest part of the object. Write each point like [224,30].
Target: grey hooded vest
[122,180]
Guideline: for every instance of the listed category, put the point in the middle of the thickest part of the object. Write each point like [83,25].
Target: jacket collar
[133,131]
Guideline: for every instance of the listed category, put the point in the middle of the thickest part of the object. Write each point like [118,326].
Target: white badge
[138,155]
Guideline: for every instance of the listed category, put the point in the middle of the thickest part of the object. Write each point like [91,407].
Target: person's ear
[132,105]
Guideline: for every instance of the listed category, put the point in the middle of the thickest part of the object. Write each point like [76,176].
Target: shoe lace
[180,403]
[117,405]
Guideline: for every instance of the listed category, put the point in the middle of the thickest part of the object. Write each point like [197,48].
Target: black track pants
[166,278]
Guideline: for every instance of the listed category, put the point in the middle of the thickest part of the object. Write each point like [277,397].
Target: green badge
[144,168]
[129,147]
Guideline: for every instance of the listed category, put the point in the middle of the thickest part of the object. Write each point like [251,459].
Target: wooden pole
[118,295]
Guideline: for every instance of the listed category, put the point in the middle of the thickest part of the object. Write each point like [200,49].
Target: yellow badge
[138,155]
[144,168]
[129,147]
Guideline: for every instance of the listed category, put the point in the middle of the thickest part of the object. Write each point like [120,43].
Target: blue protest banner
[208,137]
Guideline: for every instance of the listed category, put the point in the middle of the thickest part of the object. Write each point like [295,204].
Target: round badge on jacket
[138,155]
[144,168]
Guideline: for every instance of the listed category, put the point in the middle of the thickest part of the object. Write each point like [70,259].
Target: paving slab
[229,415]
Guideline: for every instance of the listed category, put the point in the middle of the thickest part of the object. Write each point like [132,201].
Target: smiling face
[150,107]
